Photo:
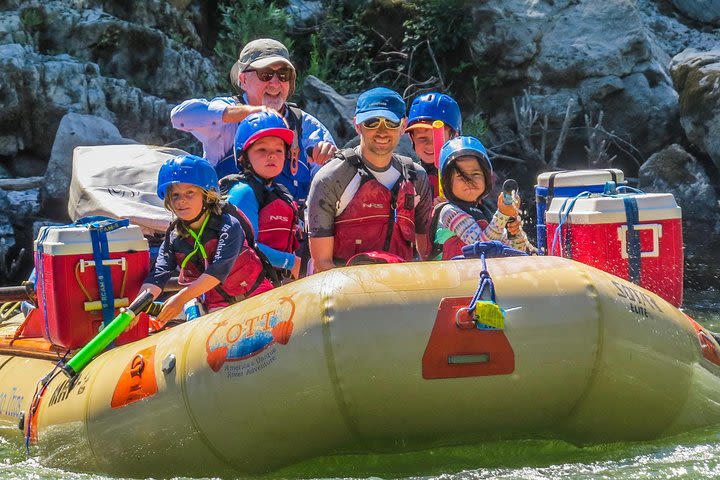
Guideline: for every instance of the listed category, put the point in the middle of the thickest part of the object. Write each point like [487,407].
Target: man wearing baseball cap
[265,78]
[369,199]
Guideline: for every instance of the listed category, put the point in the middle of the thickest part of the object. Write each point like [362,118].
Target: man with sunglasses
[266,78]
[369,199]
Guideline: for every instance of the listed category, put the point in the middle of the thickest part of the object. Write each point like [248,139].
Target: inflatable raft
[372,359]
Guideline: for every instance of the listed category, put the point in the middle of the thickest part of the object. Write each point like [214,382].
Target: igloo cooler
[637,237]
[68,287]
[567,184]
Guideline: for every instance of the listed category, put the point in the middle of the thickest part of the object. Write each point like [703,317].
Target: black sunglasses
[266,74]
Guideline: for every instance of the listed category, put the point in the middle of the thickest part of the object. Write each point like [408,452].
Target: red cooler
[67,282]
[647,249]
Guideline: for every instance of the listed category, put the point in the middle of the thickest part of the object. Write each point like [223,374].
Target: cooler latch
[656,229]
[110,262]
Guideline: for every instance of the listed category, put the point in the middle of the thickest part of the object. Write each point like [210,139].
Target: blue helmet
[259,125]
[459,147]
[186,169]
[435,106]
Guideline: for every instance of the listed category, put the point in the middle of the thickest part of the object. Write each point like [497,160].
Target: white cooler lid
[76,240]
[600,209]
[575,178]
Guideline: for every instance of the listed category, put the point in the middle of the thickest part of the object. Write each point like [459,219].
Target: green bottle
[106,335]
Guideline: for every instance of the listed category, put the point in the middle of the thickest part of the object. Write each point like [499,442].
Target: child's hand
[171,309]
[509,210]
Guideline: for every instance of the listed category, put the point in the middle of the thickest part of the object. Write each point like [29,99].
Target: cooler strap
[98,229]
[632,239]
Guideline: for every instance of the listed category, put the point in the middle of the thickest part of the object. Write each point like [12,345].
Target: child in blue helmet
[466,177]
[262,145]
[209,242]
[424,110]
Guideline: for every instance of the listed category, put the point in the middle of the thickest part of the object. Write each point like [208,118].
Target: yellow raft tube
[372,357]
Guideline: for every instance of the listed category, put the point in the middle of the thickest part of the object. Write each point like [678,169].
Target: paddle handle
[100,342]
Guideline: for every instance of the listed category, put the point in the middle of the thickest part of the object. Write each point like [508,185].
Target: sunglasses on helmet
[375,122]
[266,74]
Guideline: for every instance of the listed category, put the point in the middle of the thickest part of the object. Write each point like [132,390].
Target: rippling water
[694,455]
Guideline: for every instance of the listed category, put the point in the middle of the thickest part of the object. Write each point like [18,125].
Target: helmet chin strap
[198,217]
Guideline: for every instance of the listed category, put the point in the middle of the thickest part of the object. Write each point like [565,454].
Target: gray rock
[671,33]
[673,170]
[597,53]
[335,111]
[74,130]
[697,79]
[7,234]
[705,11]
[157,62]
[302,11]
[37,91]
[25,203]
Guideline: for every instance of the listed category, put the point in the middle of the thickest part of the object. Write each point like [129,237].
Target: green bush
[244,20]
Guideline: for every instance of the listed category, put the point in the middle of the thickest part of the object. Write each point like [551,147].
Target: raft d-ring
[464,318]
[137,365]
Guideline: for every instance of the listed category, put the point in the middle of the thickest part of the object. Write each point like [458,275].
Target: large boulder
[705,11]
[335,111]
[74,130]
[697,79]
[596,54]
[157,62]
[674,170]
[36,91]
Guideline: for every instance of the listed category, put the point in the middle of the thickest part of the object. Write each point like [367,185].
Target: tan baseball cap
[258,54]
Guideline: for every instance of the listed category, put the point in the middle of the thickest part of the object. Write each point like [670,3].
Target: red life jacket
[278,216]
[452,247]
[377,218]
[248,275]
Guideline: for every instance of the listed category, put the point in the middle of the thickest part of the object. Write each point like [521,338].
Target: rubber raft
[371,358]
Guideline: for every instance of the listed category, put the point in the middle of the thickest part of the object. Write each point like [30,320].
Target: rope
[40,388]
[569,204]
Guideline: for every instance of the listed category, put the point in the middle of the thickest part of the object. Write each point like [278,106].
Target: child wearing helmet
[208,242]
[424,110]
[262,145]
[467,177]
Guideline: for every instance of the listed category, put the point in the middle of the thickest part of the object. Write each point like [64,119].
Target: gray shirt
[336,183]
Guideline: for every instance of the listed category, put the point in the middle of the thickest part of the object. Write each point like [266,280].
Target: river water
[693,455]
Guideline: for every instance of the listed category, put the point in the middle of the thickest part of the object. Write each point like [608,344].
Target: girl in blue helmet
[425,109]
[262,146]
[209,242]
[466,177]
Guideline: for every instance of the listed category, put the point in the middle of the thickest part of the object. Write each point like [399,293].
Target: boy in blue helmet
[262,145]
[467,177]
[424,110]
[209,242]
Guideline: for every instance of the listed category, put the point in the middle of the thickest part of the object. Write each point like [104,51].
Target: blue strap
[489,249]
[98,228]
[632,239]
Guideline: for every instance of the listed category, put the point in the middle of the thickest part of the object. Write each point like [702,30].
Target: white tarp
[120,181]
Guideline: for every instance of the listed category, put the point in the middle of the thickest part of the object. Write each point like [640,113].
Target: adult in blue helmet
[467,178]
[208,242]
[262,146]
[424,110]
[264,78]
